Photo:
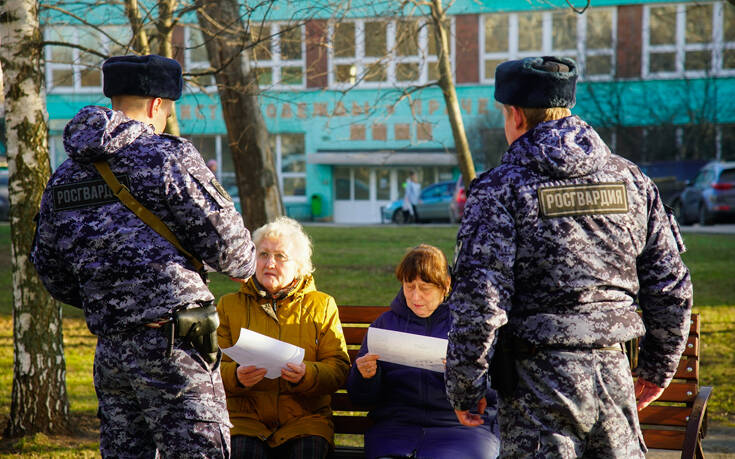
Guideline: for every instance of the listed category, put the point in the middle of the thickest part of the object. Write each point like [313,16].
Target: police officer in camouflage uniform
[92,252]
[559,245]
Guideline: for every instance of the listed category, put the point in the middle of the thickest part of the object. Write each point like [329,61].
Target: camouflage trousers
[569,405]
[153,405]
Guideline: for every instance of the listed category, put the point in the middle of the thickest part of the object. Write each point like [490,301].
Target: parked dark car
[433,204]
[710,197]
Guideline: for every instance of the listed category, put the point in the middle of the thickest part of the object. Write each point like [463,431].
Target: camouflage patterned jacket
[563,241]
[92,252]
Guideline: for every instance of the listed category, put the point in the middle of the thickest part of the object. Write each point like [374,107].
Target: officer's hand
[250,375]
[294,372]
[367,365]
[472,419]
[646,392]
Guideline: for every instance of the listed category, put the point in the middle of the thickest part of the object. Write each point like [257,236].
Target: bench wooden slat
[354,335]
[683,392]
[692,349]
[665,415]
[688,369]
[663,439]
[360,314]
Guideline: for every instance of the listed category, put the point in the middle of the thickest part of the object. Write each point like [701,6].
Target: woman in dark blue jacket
[412,416]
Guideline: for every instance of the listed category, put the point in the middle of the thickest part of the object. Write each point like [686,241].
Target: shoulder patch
[87,193]
[586,199]
[220,189]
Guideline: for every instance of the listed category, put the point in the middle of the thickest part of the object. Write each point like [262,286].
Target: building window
[290,154]
[589,39]
[375,52]
[197,59]
[279,55]
[693,40]
[73,70]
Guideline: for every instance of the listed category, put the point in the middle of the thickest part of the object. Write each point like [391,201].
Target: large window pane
[264,75]
[292,76]
[431,37]
[362,184]
[663,62]
[293,153]
[598,65]
[699,23]
[490,66]
[663,25]
[345,73]
[294,186]
[261,34]
[344,39]
[119,41]
[564,30]
[197,49]
[61,54]
[530,31]
[342,183]
[206,144]
[290,42]
[496,33]
[697,60]
[407,72]
[62,77]
[376,72]
[91,73]
[728,22]
[407,36]
[728,59]
[382,177]
[375,44]
[599,28]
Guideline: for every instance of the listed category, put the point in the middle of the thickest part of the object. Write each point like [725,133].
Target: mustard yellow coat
[275,410]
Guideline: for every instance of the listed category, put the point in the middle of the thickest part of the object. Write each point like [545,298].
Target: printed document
[408,349]
[262,351]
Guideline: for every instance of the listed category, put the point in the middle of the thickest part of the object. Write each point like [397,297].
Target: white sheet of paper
[262,351]
[408,349]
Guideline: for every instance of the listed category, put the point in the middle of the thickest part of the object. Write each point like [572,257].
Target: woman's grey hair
[289,230]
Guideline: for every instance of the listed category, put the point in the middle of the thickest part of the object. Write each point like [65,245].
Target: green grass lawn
[355,265]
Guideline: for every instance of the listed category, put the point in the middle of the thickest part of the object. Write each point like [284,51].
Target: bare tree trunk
[254,163]
[446,83]
[39,400]
[140,37]
[165,26]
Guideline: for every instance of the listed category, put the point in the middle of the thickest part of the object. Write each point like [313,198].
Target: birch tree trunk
[255,172]
[39,400]
[446,83]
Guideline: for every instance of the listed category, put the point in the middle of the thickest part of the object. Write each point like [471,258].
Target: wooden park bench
[676,421]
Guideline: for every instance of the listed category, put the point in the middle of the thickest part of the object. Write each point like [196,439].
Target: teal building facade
[348,100]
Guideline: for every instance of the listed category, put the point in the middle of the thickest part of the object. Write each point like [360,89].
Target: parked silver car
[433,204]
[710,197]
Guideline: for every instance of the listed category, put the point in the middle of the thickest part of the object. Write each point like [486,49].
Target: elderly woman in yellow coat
[290,416]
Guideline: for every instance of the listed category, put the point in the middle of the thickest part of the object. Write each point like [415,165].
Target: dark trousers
[311,447]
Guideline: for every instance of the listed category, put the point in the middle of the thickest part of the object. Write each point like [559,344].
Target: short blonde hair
[427,263]
[536,116]
[289,230]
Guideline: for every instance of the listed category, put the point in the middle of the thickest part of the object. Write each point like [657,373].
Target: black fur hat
[150,76]
[537,82]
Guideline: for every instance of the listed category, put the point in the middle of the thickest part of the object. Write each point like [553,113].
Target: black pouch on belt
[503,375]
[198,326]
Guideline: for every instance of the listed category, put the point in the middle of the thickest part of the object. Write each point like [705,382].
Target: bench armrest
[697,425]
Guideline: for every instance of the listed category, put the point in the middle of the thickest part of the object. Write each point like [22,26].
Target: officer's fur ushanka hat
[537,82]
[149,76]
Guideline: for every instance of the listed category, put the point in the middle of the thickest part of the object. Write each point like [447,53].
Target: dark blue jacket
[409,405]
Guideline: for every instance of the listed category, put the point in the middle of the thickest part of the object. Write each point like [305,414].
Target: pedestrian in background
[160,393]
[412,188]
[558,248]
